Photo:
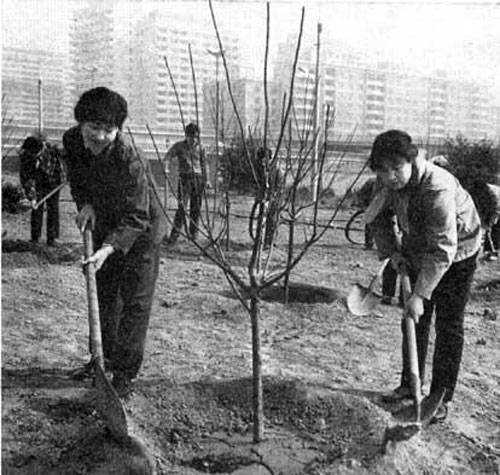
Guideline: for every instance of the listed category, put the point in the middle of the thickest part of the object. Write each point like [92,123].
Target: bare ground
[324,371]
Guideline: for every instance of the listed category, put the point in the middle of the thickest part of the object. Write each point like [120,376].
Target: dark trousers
[190,191]
[492,237]
[369,239]
[389,281]
[125,288]
[52,205]
[448,301]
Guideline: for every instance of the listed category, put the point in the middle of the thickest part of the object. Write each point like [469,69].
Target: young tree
[295,165]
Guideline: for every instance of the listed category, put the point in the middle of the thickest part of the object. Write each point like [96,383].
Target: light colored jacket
[438,221]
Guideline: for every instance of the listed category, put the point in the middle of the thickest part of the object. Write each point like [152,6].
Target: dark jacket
[43,172]
[118,185]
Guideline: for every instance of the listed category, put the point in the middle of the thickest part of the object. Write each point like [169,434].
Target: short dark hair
[101,105]
[32,144]
[192,129]
[390,146]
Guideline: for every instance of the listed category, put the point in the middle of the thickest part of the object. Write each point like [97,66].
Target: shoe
[34,241]
[441,413]
[386,300]
[52,243]
[399,394]
[123,385]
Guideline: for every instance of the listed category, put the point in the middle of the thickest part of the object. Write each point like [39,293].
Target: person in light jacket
[441,238]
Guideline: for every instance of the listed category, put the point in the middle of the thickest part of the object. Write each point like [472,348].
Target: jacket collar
[419,168]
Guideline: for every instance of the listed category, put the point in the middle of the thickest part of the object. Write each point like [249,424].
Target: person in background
[270,190]
[486,197]
[363,198]
[389,275]
[441,238]
[494,229]
[191,183]
[113,190]
[41,172]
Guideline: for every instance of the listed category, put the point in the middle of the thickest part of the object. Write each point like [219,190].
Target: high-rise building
[248,95]
[160,40]
[130,52]
[100,43]
[24,71]
[368,98]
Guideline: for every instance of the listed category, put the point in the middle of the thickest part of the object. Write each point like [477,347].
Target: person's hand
[33,204]
[415,307]
[25,204]
[85,216]
[398,262]
[99,256]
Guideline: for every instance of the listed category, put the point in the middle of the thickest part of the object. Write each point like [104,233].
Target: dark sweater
[117,183]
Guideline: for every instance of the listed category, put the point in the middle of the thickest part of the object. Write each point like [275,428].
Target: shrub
[12,194]
[473,162]
[235,169]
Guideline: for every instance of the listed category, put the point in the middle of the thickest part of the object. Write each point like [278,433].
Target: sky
[460,36]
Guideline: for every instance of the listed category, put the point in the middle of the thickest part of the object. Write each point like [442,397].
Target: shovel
[362,300]
[422,410]
[108,403]
[47,196]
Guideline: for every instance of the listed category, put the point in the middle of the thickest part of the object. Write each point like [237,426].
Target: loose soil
[192,410]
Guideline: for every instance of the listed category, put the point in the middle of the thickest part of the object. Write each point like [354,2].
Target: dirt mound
[204,427]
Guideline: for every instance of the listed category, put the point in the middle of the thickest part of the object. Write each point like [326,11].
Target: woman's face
[97,136]
[395,174]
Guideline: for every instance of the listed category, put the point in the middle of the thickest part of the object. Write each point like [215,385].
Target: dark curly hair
[32,144]
[101,105]
[390,146]
[192,129]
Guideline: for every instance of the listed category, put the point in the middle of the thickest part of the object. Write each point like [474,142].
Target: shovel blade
[110,406]
[428,408]
[361,301]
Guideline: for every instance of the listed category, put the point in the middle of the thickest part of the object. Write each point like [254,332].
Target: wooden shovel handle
[93,304]
[46,197]
[412,345]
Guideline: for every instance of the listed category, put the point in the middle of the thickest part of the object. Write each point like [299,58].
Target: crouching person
[110,184]
[441,238]
[41,174]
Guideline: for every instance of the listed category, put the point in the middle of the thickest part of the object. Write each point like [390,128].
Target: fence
[13,137]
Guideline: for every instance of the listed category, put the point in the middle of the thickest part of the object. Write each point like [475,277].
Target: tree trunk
[258,404]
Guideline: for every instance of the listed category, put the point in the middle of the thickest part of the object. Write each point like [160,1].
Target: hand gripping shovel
[362,300]
[422,410]
[108,403]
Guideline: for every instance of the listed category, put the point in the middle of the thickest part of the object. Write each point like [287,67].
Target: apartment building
[368,98]
[160,93]
[25,74]
[130,52]
[248,95]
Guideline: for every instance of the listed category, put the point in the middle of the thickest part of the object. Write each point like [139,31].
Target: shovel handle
[47,196]
[412,346]
[379,273]
[93,304]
